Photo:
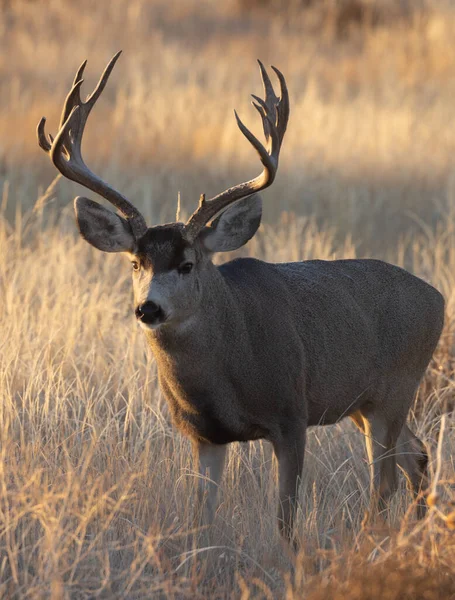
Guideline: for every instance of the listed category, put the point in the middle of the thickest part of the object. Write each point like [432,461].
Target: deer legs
[209,459]
[381,438]
[391,444]
[289,452]
[412,458]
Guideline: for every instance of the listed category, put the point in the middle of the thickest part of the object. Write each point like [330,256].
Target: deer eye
[136,265]
[185,268]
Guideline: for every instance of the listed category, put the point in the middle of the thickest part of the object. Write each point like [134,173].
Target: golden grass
[96,488]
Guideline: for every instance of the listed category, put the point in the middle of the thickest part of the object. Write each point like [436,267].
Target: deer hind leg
[209,459]
[358,420]
[289,451]
[381,437]
[412,459]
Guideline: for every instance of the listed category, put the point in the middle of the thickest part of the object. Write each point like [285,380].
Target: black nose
[149,313]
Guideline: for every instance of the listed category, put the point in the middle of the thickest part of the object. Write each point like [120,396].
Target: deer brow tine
[41,134]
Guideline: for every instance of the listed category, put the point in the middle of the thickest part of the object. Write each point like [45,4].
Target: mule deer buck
[250,350]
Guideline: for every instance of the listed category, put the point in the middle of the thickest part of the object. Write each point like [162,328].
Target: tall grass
[96,488]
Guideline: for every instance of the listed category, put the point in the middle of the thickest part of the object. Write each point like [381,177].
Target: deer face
[170,272]
[166,276]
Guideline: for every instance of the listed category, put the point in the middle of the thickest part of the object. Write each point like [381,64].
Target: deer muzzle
[150,313]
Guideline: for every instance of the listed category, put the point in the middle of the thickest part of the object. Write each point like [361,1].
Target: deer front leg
[289,452]
[209,459]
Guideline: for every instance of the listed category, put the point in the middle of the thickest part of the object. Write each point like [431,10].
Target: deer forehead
[163,248]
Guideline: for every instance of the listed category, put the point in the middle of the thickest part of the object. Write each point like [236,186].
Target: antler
[274,112]
[65,149]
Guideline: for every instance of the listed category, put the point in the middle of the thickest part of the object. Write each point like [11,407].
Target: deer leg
[412,459]
[209,459]
[381,437]
[289,452]
[357,419]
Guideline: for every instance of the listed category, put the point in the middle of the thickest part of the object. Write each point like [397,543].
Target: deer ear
[234,227]
[103,228]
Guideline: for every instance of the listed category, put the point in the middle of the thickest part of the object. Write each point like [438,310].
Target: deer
[249,350]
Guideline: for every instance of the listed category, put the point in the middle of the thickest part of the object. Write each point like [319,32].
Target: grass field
[96,487]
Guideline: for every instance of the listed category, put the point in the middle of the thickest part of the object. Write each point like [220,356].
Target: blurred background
[370,146]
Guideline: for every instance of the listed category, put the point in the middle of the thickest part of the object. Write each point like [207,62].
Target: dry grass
[96,487]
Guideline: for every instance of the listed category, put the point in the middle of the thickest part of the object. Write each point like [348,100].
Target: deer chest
[199,416]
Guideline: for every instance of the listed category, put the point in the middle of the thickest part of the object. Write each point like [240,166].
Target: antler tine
[65,149]
[266,158]
[74,96]
[103,80]
[80,72]
[41,134]
[269,126]
[72,124]
[271,99]
[274,113]
[283,104]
